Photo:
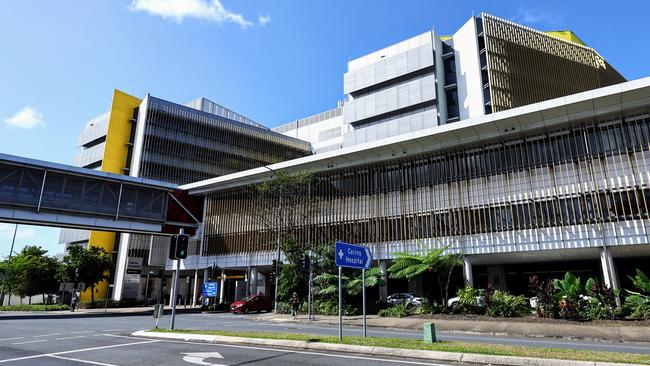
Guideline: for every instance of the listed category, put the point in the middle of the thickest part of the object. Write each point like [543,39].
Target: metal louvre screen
[526,66]
[525,191]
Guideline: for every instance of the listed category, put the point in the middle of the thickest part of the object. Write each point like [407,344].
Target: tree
[33,273]
[93,265]
[409,266]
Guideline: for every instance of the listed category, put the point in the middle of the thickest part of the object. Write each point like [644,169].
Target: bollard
[429,332]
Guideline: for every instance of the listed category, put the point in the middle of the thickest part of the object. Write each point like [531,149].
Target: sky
[273,61]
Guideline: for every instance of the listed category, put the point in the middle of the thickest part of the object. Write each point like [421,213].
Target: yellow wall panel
[114,161]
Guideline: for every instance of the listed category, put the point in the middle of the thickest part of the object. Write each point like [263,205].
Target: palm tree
[327,283]
[409,266]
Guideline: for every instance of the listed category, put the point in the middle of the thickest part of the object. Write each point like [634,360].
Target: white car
[454,302]
[404,297]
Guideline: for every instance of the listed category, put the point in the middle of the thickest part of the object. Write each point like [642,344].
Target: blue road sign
[209,289]
[352,256]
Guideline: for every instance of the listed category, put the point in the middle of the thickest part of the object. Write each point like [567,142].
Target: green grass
[445,346]
[37,307]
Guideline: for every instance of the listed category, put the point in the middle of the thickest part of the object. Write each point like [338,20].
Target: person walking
[73,302]
[295,304]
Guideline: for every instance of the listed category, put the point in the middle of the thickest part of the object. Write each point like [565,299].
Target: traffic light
[272,277]
[275,264]
[182,242]
[76,277]
[172,247]
[210,273]
[306,262]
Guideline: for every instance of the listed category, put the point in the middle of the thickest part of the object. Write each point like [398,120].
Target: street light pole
[6,279]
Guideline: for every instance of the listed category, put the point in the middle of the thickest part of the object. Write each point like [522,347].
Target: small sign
[352,256]
[132,278]
[66,286]
[209,289]
[134,266]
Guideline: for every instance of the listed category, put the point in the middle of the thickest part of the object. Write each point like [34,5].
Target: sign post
[352,256]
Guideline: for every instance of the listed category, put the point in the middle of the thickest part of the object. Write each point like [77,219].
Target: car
[248,304]
[404,297]
[454,302]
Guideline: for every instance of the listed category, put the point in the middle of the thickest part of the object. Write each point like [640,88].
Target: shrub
[503,304]
[638,303]
[397,311]
[545,294]
[427,308]
[601,302]
[467,301]
[568,294]
[39,307]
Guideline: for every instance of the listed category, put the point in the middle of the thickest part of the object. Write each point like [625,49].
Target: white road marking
[46,335]
[36,341]
[11,339]
[75,351]
[199,357]
[291,351]
[83,361]
[61,339]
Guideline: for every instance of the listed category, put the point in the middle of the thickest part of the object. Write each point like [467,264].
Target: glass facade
[590,175]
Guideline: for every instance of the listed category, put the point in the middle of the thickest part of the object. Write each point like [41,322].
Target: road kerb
[376,351]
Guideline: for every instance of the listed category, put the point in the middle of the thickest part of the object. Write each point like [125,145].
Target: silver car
[404,297]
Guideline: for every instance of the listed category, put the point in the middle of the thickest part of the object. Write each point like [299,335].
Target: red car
[252,303]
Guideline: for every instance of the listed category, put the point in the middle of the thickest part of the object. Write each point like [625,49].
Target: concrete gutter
[375,351]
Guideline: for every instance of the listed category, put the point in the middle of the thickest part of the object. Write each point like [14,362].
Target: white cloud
[24,232]
[27,117]
[263,20]
[536,16]
[210,10]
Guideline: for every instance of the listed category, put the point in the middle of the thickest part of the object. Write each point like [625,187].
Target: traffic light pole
[175,284]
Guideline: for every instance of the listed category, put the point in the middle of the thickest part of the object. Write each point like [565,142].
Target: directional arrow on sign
[199,358]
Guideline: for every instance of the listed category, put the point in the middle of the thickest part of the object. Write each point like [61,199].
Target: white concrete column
[607,266]
[120,268]
[252,280]
[222,284]
[467,271]
[383,289]
[195,293]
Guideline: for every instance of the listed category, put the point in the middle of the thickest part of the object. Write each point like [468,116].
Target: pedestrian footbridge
[48,194]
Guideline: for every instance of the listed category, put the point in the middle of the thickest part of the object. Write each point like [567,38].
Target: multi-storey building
[524,151]
[156,139]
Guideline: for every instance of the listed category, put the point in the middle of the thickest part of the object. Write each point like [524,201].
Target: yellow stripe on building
[114,161]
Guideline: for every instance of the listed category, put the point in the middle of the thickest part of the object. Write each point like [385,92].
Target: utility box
[429,332]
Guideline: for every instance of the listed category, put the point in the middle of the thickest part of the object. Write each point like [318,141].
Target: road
[61,340]
[106,341]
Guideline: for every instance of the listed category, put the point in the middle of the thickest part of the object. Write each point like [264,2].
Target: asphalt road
[99,340]
[37,343]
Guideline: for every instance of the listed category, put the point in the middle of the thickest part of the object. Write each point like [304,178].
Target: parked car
[252,303]
[454,302]
[404,297]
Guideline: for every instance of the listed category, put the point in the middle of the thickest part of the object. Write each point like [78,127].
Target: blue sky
[271,60]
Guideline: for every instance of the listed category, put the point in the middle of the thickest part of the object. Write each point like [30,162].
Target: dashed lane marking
[36,341]
[11,339]
[46,335]
[83,361]
[75,337]
[76,351]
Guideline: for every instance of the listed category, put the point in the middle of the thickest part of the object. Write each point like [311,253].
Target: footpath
[618,332]
[141,310]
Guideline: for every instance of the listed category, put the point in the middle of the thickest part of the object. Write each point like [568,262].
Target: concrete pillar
[195,292]
[252,280]
[120,267]
[222,285]
[609,271]
[383,289]
[467,271]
